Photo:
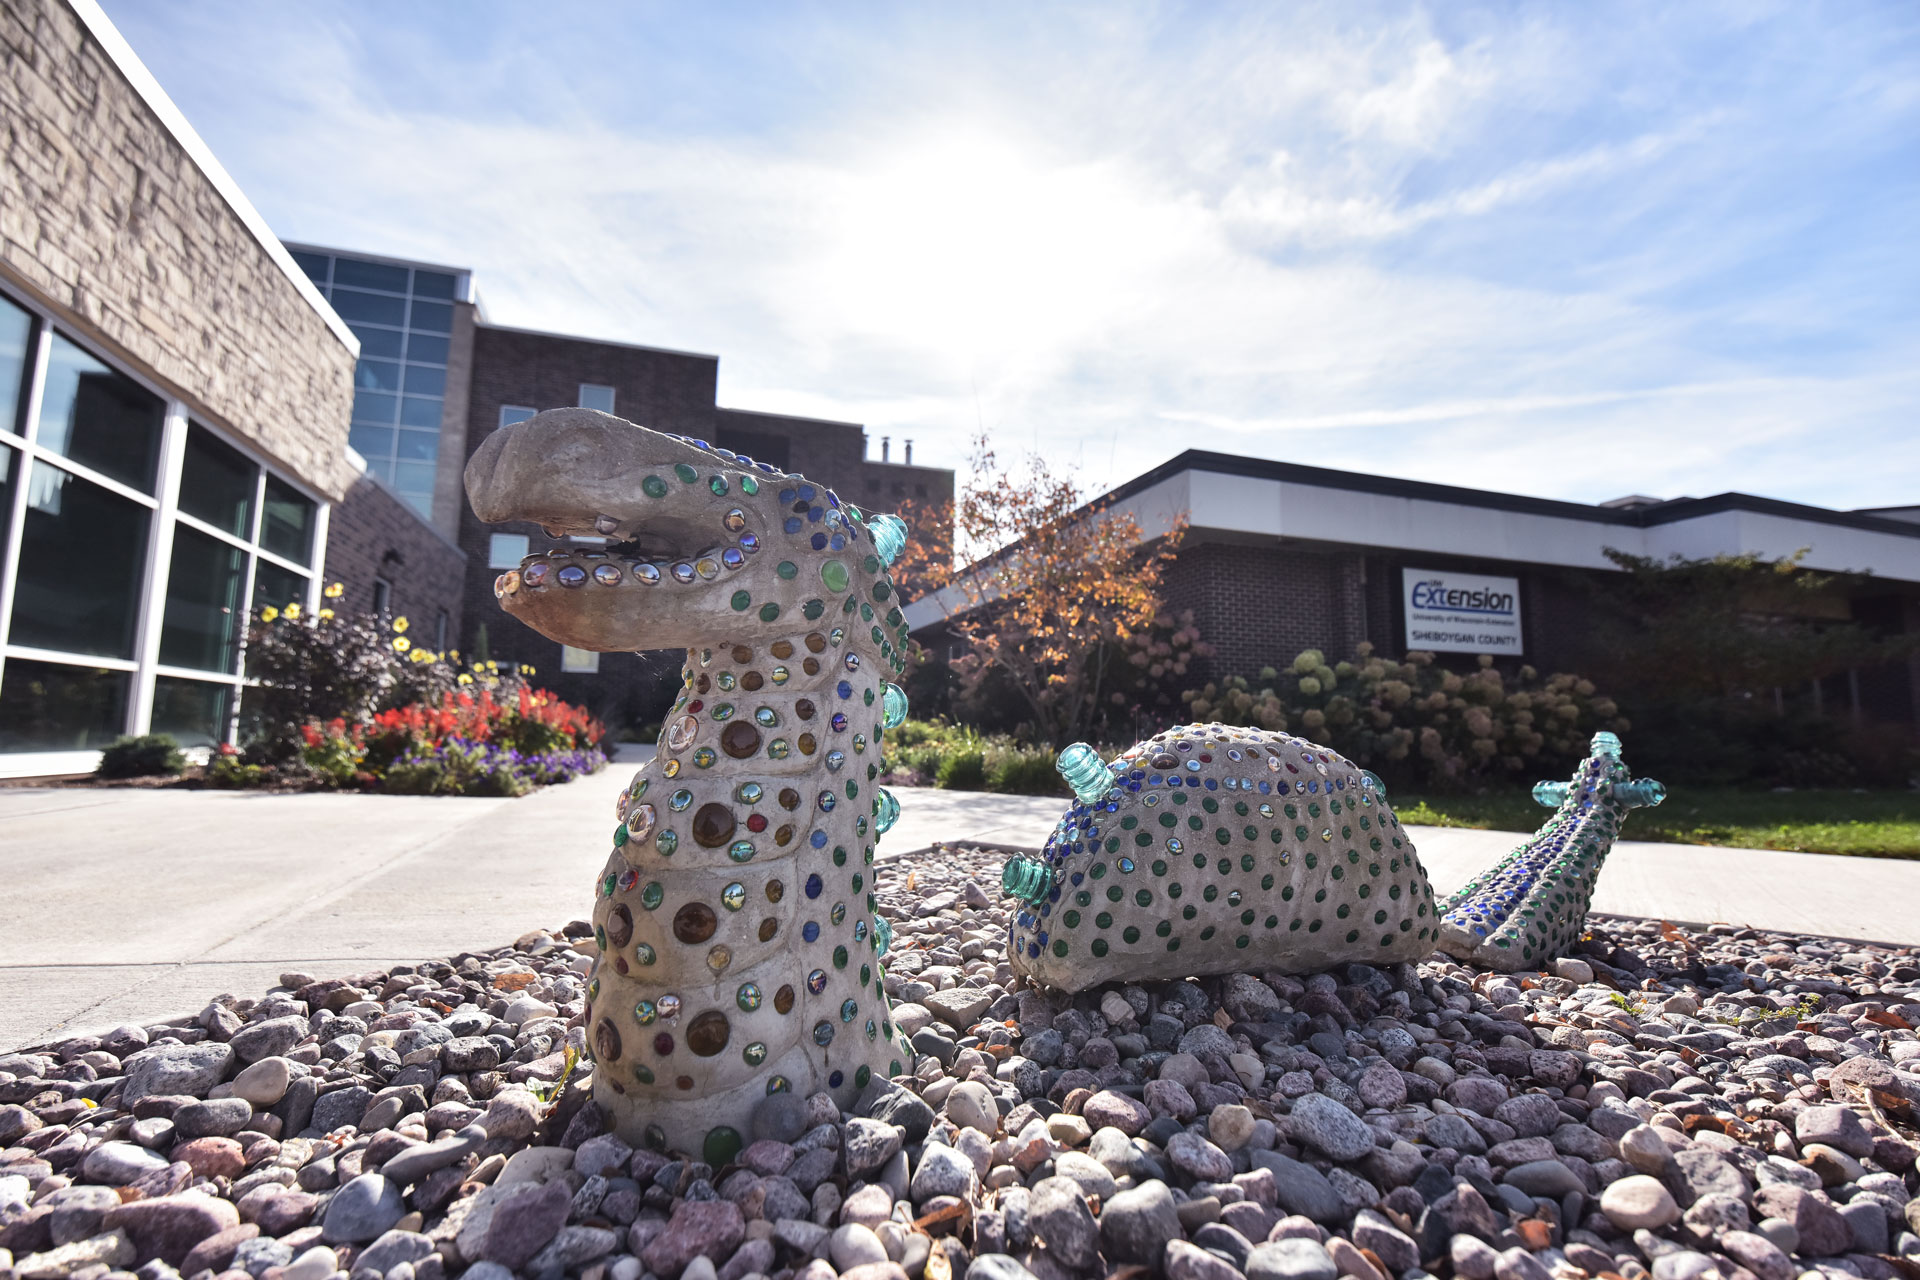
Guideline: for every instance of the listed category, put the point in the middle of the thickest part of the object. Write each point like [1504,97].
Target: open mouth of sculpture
[648,559]
[677,516]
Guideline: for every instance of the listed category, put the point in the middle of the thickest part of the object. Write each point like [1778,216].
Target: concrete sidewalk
[131,905]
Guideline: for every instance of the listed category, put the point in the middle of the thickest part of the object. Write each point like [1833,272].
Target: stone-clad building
[197,420]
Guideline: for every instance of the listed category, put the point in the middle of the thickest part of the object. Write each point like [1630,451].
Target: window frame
[500,420]
[20,436]
[493,550]
[613,395]
[586,665]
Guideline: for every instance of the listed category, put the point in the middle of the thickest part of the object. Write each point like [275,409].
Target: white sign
[1461,612]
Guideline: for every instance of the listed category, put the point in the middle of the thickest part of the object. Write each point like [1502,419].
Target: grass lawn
[1872,824]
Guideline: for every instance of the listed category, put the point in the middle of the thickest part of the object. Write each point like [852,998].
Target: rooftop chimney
[909,453]
[886,443]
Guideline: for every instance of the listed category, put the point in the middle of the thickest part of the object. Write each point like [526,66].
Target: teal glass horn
[1085,772]
[889,536]
[1027,879]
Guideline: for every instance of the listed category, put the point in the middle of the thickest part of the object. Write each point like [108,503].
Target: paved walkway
[131,905]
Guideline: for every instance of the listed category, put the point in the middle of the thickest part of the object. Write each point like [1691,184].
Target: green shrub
[227,772]
[963,770]
[1023,771]
[153,755]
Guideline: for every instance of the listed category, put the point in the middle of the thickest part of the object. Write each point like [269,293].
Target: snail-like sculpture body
[1213,849]
[738,945]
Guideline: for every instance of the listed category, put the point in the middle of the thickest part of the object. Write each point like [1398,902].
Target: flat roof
[462,275]
[128,63]
[1656,513]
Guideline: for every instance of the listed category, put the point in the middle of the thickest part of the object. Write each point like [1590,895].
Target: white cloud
[1516,252]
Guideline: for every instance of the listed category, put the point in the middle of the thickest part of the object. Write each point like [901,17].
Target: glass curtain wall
[133,542]
[403,316]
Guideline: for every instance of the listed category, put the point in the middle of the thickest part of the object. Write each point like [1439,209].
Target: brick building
[1280,557]
[518,372]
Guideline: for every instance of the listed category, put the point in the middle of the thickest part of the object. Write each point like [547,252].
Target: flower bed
[355,704]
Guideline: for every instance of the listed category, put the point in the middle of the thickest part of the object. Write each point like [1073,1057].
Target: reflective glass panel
[314,264]
[593,396]
[82,556]
[286,527]
[425,346]
[99,418]
[376,375]
[370,442]
[377,342]
[512,413]
[273,585]
[419,411]
[204,588]
[413,477]
[418,446]
[16,329]
[369,275]
[9,469]
[426,380]
[432,284]
[49,706]
[506,550]
[216,483]
[192,712]
[375,308]
[434,317]
[374,406]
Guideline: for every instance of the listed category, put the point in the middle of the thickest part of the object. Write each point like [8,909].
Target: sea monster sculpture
[1211,849]
[738,945]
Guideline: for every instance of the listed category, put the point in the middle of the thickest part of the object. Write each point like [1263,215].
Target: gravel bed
[1669,1103]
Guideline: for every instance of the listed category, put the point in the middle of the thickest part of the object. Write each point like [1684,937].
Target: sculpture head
[1603,779]
[702,541]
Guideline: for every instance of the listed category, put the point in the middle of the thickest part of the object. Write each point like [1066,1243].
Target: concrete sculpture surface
[739,950]
[1212,849]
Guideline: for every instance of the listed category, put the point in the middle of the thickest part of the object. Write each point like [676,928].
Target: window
[382,596]
[440,631]
[512,413]
[204,593]
[286,525]
[74,600]
[595,396]
[98,533]
[16,330]
[50,706]
[99,418]
[584,661]
[507,550]
[193,712]
[217,483]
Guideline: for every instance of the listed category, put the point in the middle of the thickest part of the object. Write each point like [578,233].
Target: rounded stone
[971,1106]
[606,1041]
[1639,1201]
[265,1082]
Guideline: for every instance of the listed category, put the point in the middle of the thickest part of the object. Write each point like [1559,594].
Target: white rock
[265,1082]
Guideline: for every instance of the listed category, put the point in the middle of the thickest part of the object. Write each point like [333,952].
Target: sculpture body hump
[1219,849]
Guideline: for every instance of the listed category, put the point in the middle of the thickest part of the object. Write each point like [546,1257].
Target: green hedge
[959,758]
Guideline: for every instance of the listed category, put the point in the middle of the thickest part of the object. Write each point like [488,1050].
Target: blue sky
[1571,250]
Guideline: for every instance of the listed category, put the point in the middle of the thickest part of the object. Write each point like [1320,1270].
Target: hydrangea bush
[1416,723]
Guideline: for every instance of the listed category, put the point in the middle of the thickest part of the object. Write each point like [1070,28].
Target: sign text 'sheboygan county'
[1450,612]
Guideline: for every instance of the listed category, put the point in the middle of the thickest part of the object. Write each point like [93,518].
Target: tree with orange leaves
[1056,588]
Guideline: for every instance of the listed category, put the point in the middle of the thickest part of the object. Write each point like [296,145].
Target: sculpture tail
[1532,906]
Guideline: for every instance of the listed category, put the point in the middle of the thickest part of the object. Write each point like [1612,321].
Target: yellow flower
[292,611]
[401,644]
[269,613]
[335,590]
[526,671]
[399,626]
[465,678]
[454,654]
[325,615]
